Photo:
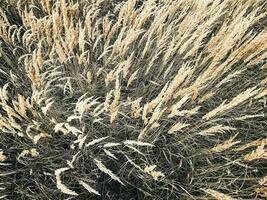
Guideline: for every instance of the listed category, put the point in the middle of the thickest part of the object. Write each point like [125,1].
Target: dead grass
[133,99]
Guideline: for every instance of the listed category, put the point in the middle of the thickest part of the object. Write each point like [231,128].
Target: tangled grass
[132,99]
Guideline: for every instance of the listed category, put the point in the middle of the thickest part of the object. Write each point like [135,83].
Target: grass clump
[133,99]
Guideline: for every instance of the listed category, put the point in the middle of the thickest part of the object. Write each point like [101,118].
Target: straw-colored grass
[133,99]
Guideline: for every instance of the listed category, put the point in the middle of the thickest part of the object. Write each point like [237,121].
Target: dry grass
[132,99]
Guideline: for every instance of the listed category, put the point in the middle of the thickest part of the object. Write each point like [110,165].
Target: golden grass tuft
[133,99]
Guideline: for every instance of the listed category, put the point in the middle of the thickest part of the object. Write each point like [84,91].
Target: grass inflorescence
[133,99]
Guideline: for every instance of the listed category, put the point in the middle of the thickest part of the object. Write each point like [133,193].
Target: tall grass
[133,99]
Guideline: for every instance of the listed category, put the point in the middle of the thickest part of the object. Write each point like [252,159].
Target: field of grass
[133,99]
